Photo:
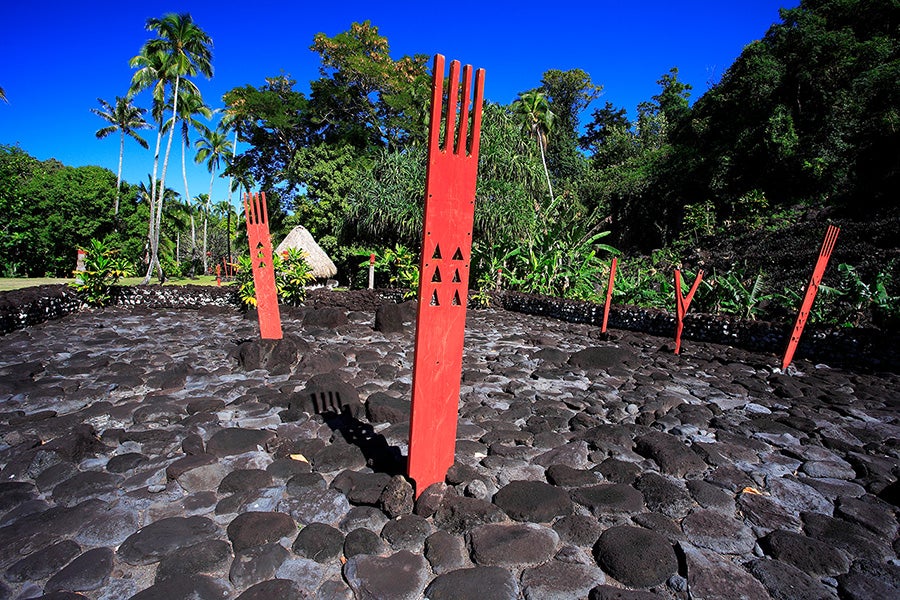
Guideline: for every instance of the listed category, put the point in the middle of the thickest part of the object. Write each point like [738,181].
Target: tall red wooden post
[682,303]
[821,264]
[444,275]
[263,269]
[609,291]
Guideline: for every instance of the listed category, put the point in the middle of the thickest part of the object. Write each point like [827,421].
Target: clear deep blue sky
[59,57]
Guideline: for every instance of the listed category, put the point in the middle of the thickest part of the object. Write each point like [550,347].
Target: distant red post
[609,291]
[372,271]
[263,269]
[218,275]
[821,264]
[444,275]
[682,303]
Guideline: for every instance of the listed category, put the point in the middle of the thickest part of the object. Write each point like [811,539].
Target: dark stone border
[867,348]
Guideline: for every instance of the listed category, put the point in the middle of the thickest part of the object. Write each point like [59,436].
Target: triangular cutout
[455,301]
[259,245]
[456,278]
[434,299]
[437,252]
[458,254]
[436,278]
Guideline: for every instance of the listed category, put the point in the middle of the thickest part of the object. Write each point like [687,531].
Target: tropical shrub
[103,270]
[292,275]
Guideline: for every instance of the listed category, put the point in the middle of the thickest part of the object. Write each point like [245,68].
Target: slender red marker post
[263,269]
[682,303]
[821,264]
[444,275]
[609,291]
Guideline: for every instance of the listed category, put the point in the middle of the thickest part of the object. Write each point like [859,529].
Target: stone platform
[164,454]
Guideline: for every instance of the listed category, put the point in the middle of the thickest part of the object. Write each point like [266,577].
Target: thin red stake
[821,264]
[682,303]
[263,269]
[444,275]
[609,291]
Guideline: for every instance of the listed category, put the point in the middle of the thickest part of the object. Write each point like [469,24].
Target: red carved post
[263,269]
[444,276]
[821,264]
[219,275]
[682,303]
[609,291]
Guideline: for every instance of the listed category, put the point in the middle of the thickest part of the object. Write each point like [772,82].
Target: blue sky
[59,57]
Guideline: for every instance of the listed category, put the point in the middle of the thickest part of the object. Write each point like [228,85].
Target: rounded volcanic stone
[397,497]
[244,480]
[870,512]
[252,565]
[87,572]
[195,587]
[484,583]
[407,532]
[672,456]
[319,542]
[870,580]
[44,562]
[282,589]
[533,501]
[257,528]
[457,514]
[557,580]
[581,530]
[855,540]
[327,392]
[389,318]
[125,462]
[110,529]
[664,495]
[600,357]
[566,476]
[787,582]
[717,532]
[502,544]
[383,408]
[711,575]
[160,538]
[85,484]
[401,576]
[608,592]
[445,552]
[363,541]
[235,440]
[636,557]
[609,498]
[807,554]
[205,557]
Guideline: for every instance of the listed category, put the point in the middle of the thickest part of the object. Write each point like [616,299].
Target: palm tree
[187,52]
[3,95]
[125,118]
[224,209]
[533,110]
[211,147]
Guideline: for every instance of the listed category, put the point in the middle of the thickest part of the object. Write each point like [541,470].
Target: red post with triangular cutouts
[821,264]
[263,270]
[444,273]
[682,303]
[609,292]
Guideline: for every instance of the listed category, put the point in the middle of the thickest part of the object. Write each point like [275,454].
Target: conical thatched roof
[322,266]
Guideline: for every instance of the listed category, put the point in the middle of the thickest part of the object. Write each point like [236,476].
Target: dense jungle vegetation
[804,125]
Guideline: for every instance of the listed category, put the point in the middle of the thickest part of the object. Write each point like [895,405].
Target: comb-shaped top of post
[450,119]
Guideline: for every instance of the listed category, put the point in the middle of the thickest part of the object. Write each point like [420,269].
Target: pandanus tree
[212,147]
[181,50]
[536,119]
[125,118]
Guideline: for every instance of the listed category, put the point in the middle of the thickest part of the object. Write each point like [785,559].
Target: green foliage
[102,270]
[401,266]
[733,293]
[292,275]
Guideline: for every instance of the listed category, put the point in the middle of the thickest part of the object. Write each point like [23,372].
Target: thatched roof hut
[322,266]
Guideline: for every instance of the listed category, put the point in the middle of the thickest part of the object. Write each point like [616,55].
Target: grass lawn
[16,283]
